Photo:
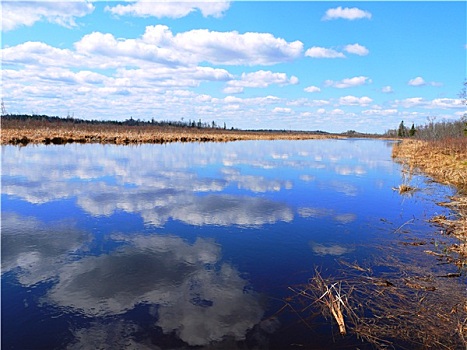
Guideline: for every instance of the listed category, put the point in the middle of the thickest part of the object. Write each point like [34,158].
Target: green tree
[402,131]
[412,130]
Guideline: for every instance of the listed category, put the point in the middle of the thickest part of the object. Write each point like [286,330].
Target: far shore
[61,131]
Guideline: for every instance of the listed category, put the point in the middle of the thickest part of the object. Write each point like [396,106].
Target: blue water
[190,245]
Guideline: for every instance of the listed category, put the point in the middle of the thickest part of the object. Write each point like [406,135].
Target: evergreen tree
[412,130]
[401,132]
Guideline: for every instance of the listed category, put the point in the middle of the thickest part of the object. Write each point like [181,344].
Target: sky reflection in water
[198,235]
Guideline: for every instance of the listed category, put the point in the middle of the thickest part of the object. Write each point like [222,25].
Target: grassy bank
[445,160]
[36,131]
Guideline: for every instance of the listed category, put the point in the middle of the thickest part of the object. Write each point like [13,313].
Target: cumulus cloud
[419,81]
[346,13]
[380,112]
[322,52]
[233,90]
[312,89]
[447,103]
[159,44]
[441,103]
[410,102]
[259,79]
[169,8]
[282,110]
[357,49]
[355,101]
[387,89]
[26,13]
[348,82]
[40,54]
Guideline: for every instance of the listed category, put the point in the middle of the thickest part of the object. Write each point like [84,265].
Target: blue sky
[332,66]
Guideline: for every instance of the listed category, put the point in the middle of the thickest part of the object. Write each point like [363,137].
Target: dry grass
[404,188]
[446,162]
[33,131]
[405,309]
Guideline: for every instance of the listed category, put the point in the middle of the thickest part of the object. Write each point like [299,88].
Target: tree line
[128,122]
[432,130]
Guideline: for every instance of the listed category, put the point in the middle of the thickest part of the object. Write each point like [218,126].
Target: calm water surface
[183,245]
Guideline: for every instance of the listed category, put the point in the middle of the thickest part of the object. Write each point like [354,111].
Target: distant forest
[128,122]
[143,123]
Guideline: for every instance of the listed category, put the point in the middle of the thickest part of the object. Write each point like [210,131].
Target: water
[191,245]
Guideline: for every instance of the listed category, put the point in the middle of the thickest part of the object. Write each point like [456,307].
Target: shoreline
[445,163]
[15,132]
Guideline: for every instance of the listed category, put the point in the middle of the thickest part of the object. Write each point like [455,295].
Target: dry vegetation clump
[22,132]
[404,309]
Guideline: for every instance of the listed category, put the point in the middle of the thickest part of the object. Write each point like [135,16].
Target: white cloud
[387,89]
[321,111]
[305,102]
[282,110]
[380,112]
[357,49]
[336,111]
[447,103]
[259,79]
[346,13]
[160,45]
[419,81]
[40,54]
[410,102]
[355,101]
[169,8]
[437,103]
[312,89]
[26,13]
[348,82]
[322,52]
[233,90]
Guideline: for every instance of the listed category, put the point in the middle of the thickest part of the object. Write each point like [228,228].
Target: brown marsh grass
[22,132]
[445,160]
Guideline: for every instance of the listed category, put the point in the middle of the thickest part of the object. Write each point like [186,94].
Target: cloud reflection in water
[168,182]
[331,249]
[35,249]
[196,299]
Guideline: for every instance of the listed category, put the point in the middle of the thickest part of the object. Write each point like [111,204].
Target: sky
[290,65]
